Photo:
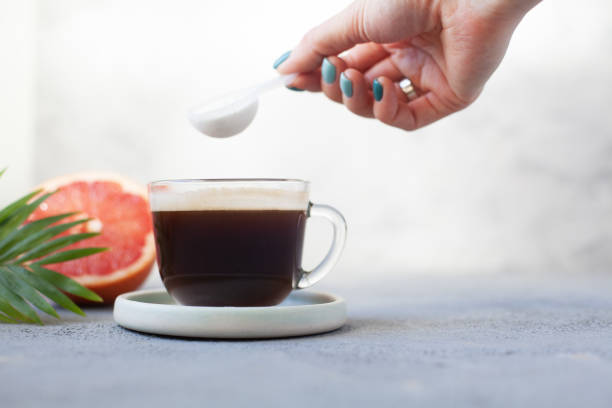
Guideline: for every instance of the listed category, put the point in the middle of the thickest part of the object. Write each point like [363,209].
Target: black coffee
[229,257]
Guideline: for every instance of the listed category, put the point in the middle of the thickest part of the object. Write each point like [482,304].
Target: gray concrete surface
[426,341]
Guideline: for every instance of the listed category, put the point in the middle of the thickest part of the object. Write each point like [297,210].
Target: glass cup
[237,242]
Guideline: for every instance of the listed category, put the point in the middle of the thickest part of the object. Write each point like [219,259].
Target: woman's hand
[447,48]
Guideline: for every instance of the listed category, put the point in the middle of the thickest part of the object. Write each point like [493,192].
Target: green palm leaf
[26,235]
[48,289]
[15,206]
[23,289]
[10,230]
[5,319]
[53,245]
[11,313]
[65,283]
[25,285]
[40,241]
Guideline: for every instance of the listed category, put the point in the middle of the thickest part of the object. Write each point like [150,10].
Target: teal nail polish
[377,90]
[346,85]
[281,59]
[293,88]
[328,71]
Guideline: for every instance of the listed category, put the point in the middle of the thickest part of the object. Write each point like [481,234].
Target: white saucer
[302,313]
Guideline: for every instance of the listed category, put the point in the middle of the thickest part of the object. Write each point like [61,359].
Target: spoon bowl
[226,120]
[230,114]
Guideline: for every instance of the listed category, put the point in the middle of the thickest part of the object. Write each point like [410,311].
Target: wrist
[517,8]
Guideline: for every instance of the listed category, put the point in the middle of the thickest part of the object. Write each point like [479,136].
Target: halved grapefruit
[120,212]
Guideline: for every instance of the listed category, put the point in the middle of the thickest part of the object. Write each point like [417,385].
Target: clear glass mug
[237,242]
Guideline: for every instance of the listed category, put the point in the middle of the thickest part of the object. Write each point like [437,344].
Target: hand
[447,48]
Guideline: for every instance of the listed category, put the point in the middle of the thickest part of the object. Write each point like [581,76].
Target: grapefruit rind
[129,186]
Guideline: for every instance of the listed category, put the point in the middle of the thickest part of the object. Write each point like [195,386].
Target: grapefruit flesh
[120,213]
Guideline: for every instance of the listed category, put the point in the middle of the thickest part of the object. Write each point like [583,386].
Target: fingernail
[346,85]
[293,88]
[377,90]
[328,71]
[281,59]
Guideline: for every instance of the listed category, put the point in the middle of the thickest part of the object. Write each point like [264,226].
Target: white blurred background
[519,182]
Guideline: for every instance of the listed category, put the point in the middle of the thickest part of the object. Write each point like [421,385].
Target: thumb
[380,21]
[339,33]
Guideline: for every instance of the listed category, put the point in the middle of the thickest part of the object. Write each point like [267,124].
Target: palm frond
[25,284]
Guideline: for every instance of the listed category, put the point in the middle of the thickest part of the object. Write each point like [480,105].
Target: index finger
[339,33]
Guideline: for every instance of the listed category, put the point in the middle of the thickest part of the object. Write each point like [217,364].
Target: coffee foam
[220,199]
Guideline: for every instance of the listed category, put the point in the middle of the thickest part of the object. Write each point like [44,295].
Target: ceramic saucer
[302,313]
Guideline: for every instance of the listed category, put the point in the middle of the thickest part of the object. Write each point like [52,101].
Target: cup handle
[309,278]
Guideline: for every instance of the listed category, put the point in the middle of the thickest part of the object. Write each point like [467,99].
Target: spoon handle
[282,80]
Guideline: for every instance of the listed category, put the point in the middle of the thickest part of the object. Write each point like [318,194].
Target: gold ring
[408,89]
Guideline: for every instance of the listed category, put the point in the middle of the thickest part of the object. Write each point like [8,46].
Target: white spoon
[230,114]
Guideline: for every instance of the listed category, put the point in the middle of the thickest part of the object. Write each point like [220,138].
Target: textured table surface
[429,341]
